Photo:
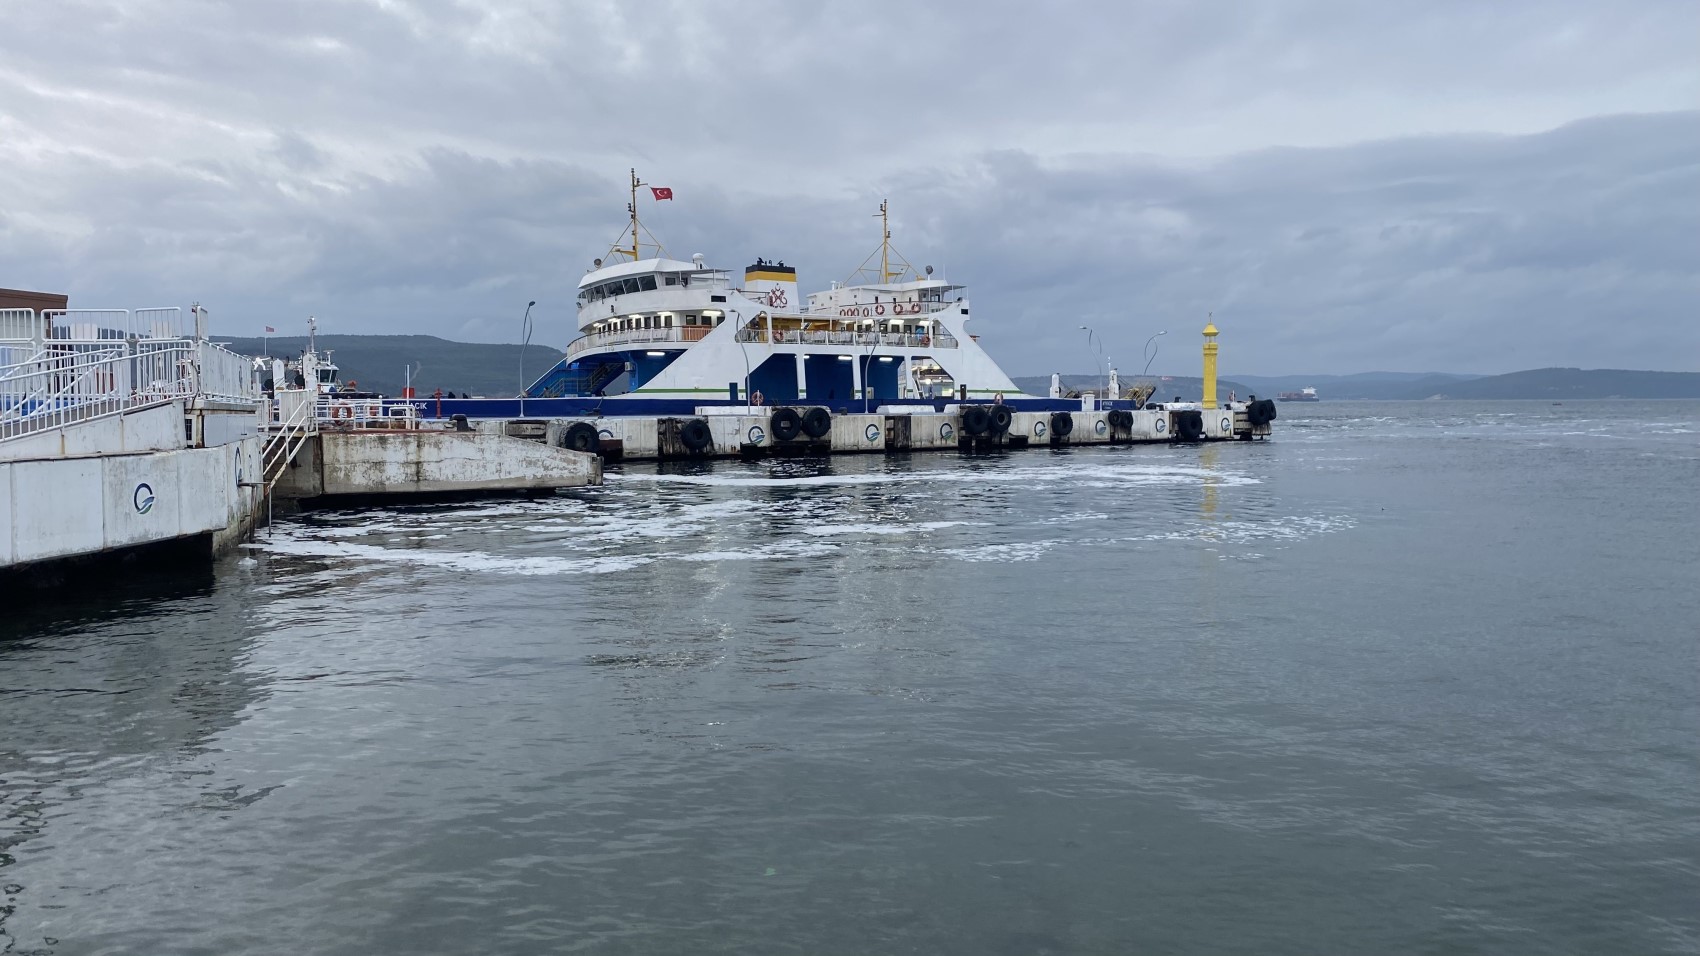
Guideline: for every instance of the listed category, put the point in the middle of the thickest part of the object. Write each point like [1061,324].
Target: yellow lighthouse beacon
[1209,399]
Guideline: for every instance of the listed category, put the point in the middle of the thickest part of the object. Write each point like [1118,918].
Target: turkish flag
[662,192]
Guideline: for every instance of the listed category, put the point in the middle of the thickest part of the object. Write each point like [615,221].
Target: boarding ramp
[63,369]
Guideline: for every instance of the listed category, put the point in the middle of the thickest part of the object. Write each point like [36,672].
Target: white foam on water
[823,531]
[790,549]
[1288,528]
[1128,473]
[1009,553]
[677,521]
[1075,517]
[458,560]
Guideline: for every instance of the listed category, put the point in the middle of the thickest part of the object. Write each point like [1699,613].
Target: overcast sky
[1453,186]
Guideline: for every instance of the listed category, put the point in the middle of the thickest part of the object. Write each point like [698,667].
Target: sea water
[1411,677]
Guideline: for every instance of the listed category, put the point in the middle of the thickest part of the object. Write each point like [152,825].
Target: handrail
[811,337]
[59,386]
[283,443]
[677,333]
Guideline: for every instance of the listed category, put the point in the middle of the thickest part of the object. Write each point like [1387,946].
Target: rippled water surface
[1414,677]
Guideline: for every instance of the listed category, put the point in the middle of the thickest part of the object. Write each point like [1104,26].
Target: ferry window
[719,319]
[672,281]
[628,286]
[717,298]
[690,320]
[646,283]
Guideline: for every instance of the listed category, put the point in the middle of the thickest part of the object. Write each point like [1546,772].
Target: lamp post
[1097,350]
[525,343]
[1150,353]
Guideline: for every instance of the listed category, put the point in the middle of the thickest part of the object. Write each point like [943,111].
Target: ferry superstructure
[664,329]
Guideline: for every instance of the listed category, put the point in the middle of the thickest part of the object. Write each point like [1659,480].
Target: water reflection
[141,674]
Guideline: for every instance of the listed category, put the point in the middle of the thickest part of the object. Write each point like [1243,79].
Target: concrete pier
[118,432]
[744,431]
[380,462]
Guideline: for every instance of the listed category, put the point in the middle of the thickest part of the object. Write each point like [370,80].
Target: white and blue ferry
[665,336]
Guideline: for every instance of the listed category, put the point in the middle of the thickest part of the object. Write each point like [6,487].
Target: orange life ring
[879,310]
[342,410]
[926,340]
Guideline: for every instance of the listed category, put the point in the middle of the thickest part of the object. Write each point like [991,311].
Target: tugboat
[1307,394]
[655,330]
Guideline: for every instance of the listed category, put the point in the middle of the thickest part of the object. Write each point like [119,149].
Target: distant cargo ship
[1302,395]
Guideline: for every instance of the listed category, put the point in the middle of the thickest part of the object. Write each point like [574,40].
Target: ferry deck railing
[683,333]
[939,340]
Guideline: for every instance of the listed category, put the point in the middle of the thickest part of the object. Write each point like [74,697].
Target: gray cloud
[1461,186]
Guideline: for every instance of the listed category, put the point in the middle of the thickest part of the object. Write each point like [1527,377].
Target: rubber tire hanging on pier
[1189,425]
[1062,425]
[976,420]
[1001,417]
[817,422]
[696,435]
[581,436]
[786,424]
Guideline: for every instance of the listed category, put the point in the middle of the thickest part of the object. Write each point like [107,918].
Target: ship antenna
[633,209]
[885,244]
[636,227]
[887,255]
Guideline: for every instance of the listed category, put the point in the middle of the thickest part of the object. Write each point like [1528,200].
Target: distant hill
[377,362]
[1563,383]
[1367,385]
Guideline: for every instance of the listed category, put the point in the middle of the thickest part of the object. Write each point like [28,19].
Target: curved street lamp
[1152,356]
[1097,350]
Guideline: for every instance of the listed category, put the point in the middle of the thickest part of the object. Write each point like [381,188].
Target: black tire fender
[1189,425]
[817,422]
[976,420]
[696,436]
[786,424]
[1062,424]
[581,436]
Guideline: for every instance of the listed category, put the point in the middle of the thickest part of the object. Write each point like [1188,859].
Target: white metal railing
[71,381]
[808,337]
[222,375]
[84,325]
[364,413]
[684,333]
[57,386]
[62,366]
[20,325]
[284,442]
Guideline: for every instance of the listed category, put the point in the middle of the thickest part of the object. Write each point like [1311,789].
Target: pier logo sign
[142,498]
